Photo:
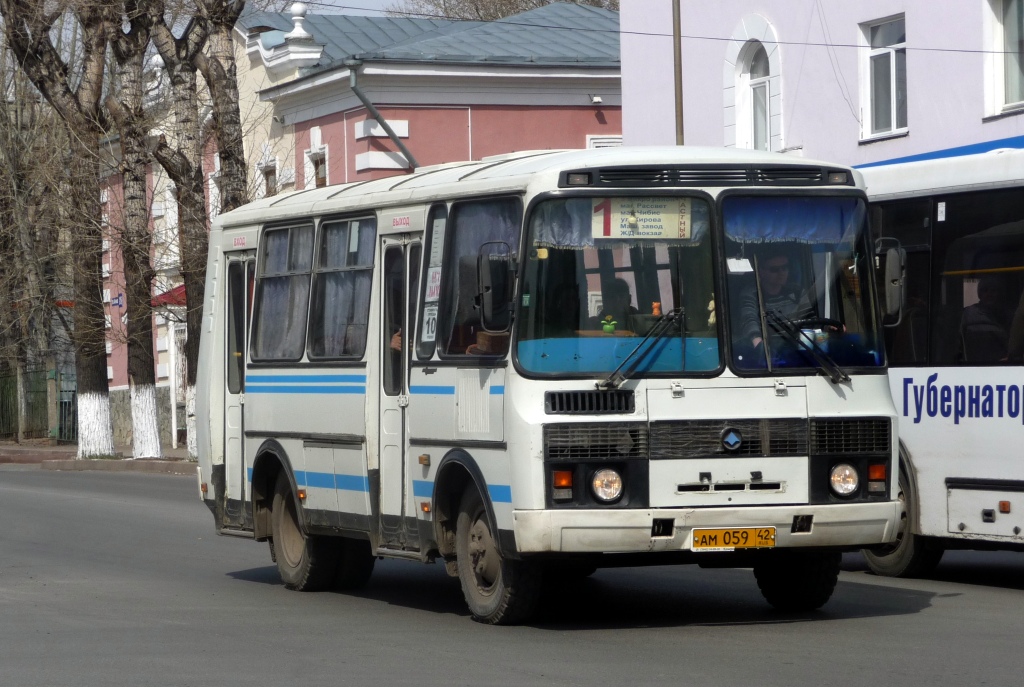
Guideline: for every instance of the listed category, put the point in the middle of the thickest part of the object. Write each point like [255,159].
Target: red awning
[175,296]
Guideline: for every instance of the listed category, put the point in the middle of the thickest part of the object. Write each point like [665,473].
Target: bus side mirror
[895,273]
[494,286]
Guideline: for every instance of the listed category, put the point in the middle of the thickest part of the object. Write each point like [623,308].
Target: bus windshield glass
[799,291]
[614,280]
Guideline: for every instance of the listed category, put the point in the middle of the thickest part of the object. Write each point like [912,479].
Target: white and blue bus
[540,364]
[956,352]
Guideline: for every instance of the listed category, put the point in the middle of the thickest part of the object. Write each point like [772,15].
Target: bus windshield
[797,276]
[614,279]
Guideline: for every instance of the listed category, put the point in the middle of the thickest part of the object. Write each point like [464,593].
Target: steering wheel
[818,323]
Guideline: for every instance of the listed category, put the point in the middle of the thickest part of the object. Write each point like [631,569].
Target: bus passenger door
[240,275]
[401,256]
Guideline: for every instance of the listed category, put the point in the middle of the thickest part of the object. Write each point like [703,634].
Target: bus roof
[997,168]
[510,173]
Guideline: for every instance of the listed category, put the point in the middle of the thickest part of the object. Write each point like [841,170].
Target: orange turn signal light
[562,479]
[425,506]
[876,472]
[1004,506]
[302,494]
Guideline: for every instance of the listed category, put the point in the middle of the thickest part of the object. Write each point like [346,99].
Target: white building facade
[860,83]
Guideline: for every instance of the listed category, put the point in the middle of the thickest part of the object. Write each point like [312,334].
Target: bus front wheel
[798,580]
[305,563]
[911,555]
[498,591]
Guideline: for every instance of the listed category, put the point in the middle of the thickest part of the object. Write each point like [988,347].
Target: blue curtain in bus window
[342,299]
[763,219]
[283,294]
[568,225]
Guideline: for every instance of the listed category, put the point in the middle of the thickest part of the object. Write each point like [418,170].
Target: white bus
[956,352]
[544,363]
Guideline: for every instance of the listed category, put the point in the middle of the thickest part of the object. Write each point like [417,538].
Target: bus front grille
[704,438]
[851,436]
[586,441]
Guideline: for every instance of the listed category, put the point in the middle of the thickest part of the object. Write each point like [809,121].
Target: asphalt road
[118,579]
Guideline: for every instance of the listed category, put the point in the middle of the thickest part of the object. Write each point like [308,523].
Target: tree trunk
[95,436]
[135,242]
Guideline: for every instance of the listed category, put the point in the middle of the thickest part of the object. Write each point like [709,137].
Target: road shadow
[624,598]
[1002,569]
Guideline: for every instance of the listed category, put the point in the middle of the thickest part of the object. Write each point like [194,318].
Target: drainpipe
[677,59]
[353,65]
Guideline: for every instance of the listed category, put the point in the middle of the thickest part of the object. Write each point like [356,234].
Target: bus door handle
[403,401]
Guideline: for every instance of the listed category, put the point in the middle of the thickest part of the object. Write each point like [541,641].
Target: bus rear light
[1004,507]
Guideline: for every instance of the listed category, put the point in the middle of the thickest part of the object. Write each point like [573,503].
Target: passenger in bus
[778,294]
[984,326]
[617,309]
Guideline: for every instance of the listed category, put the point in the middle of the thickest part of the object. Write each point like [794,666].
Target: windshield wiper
[791,333]
[660,326]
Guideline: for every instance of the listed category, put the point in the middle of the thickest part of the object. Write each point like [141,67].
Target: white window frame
[996,99]
[867,83]
[745,87]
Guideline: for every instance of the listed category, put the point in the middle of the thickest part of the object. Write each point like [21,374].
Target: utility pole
[677,54]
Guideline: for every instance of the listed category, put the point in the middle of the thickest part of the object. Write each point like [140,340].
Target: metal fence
[8,406]
[35,409]
[67,409]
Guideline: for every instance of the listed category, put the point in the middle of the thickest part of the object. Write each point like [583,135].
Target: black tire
[355,564]
[498,591]
[911,555]
[797,580]
[305,563]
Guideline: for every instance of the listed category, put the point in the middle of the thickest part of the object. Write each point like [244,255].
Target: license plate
[730,539]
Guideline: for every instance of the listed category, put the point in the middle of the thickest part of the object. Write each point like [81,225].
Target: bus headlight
[606,485]
[844,479]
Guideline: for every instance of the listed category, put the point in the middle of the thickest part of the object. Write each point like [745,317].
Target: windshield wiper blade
[660,326]
[789,331]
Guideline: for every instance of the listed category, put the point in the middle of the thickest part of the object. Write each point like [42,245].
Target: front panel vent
[678,176]
[588,402]
[846,436]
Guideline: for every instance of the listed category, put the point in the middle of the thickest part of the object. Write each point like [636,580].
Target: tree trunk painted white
[190,422]
[95,435]
[145,423]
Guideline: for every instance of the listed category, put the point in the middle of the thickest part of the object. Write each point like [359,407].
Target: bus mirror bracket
[495,277]
[895,278]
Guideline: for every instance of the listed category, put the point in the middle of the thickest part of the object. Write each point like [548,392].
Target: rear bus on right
[956,351]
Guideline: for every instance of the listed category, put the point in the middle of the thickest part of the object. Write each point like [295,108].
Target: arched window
[759,82]
[752,87]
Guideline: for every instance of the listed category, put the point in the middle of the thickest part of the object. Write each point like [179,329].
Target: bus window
[979,260]
[341,289]
[283,294]
[909,223]
[436,222]
[473,225]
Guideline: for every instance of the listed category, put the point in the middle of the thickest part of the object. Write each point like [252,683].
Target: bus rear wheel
[911,555]
[798,580]
[498,591]
[305,563]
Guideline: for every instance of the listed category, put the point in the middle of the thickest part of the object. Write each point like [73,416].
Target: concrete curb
[167,467]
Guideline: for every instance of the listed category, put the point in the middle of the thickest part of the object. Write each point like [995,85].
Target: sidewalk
[51,456]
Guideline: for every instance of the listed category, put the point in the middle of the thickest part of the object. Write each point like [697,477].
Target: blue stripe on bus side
[263,389]
[323,379]
[500,493]
[435,390]
[959,151]
[327,480]
[497,391]
[422,488]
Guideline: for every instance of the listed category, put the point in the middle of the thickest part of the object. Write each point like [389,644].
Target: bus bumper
[850,525]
